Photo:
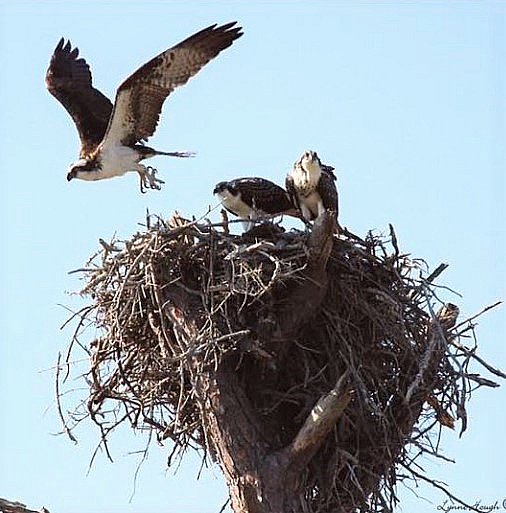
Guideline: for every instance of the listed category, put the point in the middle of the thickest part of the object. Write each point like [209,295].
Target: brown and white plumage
[112,137]
[252,198]
[312,186]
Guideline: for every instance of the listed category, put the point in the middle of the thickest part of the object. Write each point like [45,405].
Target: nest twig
[184,299]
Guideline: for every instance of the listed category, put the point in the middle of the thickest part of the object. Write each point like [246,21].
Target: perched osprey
[112,137]
[253,198]
[312,187]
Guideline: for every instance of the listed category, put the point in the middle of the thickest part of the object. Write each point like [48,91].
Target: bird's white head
[83,169]
[310,163]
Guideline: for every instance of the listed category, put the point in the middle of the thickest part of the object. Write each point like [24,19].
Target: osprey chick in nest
[112,137]
[312,187]
[253,198]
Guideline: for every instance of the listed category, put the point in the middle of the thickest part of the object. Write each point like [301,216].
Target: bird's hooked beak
[75,167]
[308,158]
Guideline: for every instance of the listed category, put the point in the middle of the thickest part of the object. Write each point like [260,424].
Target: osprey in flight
[112,137]
[253,198]
[312,187]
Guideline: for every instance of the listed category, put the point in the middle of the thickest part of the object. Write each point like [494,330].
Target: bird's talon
[150,180]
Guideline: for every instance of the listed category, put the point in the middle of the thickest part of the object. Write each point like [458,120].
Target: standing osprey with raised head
[312,186]
[112,137]
[253,198]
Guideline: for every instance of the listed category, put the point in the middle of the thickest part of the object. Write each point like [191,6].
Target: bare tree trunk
[259,479]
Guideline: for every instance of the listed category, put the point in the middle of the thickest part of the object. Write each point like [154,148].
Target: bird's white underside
[115,161]
[311,204]
[118,159]
[242,210]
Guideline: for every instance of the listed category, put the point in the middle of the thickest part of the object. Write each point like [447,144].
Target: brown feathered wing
[140,97]
[68,79]
[327,189]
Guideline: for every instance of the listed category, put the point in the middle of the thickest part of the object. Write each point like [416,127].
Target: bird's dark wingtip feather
[236,31]
[66,48]
[229,25]
[228,28]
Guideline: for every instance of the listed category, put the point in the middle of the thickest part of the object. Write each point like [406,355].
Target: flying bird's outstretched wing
[68,79]
[140,97]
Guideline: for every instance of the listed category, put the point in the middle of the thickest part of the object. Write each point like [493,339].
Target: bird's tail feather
[183,154]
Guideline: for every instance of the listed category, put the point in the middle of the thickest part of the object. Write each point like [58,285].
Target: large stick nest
[180,300]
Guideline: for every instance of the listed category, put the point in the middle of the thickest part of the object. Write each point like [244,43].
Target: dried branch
[66,428]
[318,424]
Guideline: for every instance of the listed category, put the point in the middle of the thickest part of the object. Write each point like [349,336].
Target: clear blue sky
[406,100]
